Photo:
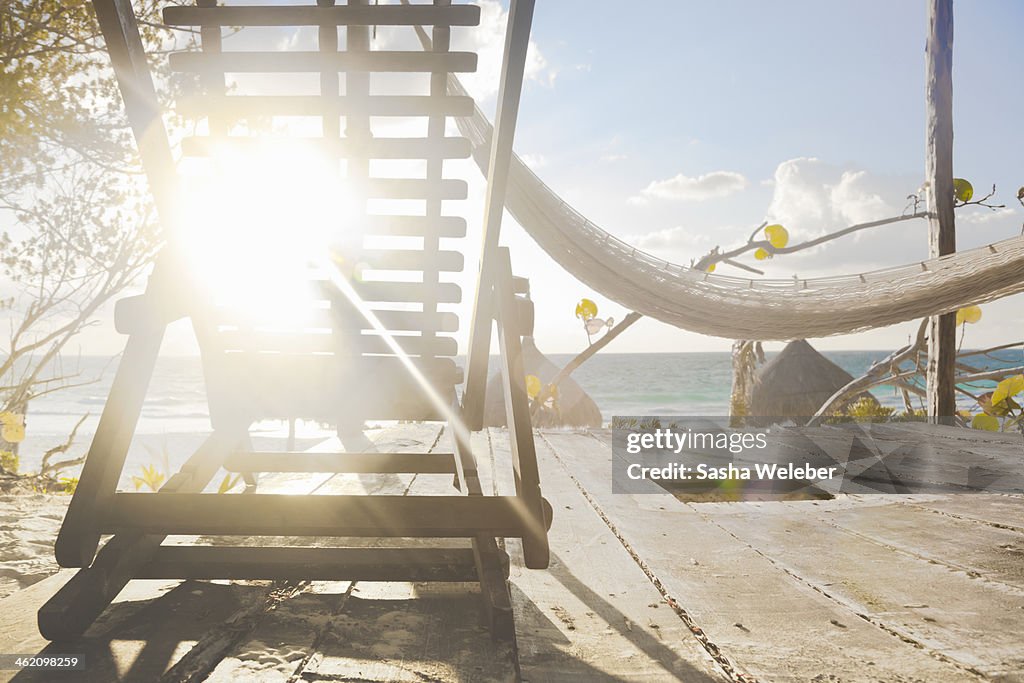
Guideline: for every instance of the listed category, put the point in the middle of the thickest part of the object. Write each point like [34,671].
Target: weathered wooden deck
[872,588]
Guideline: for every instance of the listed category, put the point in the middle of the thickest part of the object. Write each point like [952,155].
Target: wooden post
[517,39]
[939,176]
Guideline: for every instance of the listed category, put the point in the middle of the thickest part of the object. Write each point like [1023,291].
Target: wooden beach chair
[387,346]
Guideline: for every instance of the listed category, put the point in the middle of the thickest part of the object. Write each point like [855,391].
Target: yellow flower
[777,236]
[968,314]
[532,385]
[13,429]
[962,189]
[586,309]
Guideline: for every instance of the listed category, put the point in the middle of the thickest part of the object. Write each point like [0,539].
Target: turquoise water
[699,383]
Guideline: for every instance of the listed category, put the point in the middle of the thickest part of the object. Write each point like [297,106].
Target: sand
[28,526]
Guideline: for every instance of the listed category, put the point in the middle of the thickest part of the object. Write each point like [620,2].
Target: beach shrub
[9,462]
[866,409]
[151,477]
[989,423]
[228,482]
[913,415]
[69,483]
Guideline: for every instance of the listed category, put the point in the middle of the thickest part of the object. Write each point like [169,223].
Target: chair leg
[79,536]
[70,612]
[492,563]
[91,590]
[492,569]
[537,511]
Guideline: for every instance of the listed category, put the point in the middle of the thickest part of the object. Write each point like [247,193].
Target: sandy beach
[28,527]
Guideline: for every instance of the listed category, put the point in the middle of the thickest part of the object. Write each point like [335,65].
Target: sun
[259,224]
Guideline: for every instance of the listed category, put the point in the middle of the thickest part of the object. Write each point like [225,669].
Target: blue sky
[632,97]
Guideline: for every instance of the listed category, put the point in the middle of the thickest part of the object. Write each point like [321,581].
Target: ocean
[621,384]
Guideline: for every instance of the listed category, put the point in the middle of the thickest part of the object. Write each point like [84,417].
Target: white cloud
[983,217]
[813,197]
[534,161]
[854,202]
[694,189]
[610,158]
[675,239]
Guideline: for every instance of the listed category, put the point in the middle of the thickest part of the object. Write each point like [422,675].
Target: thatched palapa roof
[796,382]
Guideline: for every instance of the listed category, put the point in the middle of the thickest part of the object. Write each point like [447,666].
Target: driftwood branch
[717,255]
[46,469]
[752,243]
[999,374]
[877,371]
[570,367]
[888,371]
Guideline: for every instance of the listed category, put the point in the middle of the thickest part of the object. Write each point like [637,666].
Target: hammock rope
[741,308]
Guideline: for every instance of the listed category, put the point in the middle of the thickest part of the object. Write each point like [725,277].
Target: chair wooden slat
[441,321]
[383,15]
[303,564]
[241,106]
[375,148]
[416,226]
[445,292]
[326,318]
[263,514]
[293,62]
[352,463]
[408,259]
[415,188]
[325,342]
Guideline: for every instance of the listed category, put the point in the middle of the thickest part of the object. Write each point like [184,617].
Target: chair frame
[140,522]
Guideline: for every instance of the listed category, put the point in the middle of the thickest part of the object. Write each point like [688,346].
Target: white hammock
[740,308]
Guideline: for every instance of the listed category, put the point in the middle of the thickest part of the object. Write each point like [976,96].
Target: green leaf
[986,422]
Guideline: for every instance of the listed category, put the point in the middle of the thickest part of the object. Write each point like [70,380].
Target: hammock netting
[742,308]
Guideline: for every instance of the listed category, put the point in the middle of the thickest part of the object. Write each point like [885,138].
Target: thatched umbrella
[575,407]
[795,383]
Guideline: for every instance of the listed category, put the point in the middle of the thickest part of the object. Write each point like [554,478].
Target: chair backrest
[337,364]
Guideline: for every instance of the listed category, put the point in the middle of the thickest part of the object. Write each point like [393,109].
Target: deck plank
[944,610]
[593,615]
[980,550]
[993,509]
[766,622]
